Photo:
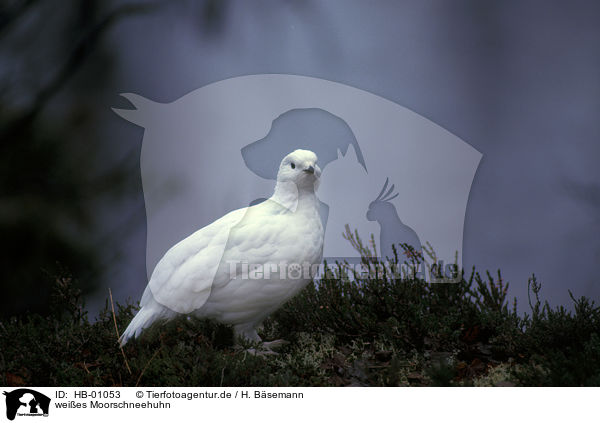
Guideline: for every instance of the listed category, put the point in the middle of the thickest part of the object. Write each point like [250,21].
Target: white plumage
[204,274]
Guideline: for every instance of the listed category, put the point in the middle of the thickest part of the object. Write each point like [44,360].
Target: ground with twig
[375,329]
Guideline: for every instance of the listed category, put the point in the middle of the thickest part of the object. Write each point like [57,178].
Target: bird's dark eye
[293,165]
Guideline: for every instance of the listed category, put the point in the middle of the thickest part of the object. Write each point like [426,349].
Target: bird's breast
[270,267]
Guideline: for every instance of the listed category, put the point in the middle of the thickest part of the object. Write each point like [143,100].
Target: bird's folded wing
[183,278]
[262,238]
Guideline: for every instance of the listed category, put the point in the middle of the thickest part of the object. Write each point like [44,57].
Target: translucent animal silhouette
[311,129]
[195,164]
[345,188]
[392,230]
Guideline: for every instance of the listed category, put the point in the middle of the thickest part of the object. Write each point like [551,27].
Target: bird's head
[382,206]
[299,167]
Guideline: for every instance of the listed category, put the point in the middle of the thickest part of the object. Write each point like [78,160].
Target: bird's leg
[248,333]
[247,338]
[277,343]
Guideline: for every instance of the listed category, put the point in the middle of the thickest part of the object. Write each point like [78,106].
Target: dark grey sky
[518,80]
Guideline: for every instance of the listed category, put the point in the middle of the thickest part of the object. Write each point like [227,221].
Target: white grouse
[207,273]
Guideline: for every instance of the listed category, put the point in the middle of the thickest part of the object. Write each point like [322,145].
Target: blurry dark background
[518,80]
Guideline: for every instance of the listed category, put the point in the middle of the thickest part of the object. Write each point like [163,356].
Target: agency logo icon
[26,402]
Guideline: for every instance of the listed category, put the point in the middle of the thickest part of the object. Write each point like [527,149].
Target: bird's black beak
[310,169]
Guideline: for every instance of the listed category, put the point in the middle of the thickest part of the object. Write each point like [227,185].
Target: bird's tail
[150,312]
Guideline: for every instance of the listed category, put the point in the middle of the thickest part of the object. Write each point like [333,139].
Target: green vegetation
[374,331]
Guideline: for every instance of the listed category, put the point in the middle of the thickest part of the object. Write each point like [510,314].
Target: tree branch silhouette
[10,15]
[80,52]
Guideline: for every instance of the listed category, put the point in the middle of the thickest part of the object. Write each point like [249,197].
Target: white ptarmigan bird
[279,240]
